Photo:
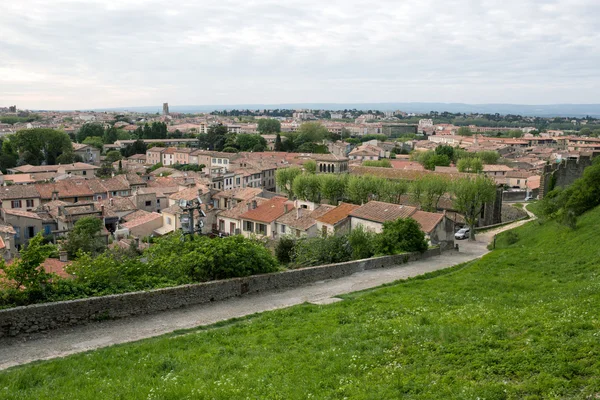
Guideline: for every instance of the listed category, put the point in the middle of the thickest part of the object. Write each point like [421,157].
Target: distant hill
[546,110]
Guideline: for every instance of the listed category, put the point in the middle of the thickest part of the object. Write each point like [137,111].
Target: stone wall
[563,174]
[40,317]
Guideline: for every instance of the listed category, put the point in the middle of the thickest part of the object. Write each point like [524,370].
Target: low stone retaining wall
[40,317]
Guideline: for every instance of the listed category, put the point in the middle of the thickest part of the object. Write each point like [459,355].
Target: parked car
[462,234]
[529,198]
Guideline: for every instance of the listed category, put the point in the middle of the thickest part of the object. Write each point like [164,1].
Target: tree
[95,141]
[311,132]
[333,187]
[464,131]
[585,131]
[470,196]
[445,150]
[307,187]
[284,178]
[248,142]
[392,191]
[89,129]
[361,189]
[215,138]
[42,145]
[268,126]
[474,165]
[110,135]
[26,271]
[401,235]
[429,159]
[68,158]
[377,163]
[85,237]
[105,171]
[278,143]
[113,155]
[137,147]
[310,167]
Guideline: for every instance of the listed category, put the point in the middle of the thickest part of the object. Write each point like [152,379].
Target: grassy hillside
[522,323]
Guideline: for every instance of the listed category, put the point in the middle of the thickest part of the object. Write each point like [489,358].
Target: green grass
[521,323]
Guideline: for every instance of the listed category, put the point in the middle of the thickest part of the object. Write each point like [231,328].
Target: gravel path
[62,342]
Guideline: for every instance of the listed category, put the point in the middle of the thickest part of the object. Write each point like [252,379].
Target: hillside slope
[523,322]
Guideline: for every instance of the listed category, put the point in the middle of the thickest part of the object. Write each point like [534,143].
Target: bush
[318,251]
[362,243]
[199,258]
[402,235]
[285,249]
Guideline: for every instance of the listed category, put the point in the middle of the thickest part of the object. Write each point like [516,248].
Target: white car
[462,234]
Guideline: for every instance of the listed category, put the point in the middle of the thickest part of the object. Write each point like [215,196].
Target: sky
[113,53]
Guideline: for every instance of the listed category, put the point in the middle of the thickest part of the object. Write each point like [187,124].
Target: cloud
[82,54]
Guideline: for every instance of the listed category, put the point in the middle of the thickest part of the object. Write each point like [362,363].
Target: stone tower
[165,108]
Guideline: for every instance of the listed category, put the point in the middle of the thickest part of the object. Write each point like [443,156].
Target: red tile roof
[427,220]
[337,214]
[378,211]
[269,211]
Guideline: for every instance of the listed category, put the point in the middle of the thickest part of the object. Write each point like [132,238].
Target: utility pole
[189,206]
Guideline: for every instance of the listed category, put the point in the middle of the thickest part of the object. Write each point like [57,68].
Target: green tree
[399,236]
[310,167]
[113,155]
[68,158]
[42,145]
[392,191]
[333,187]
[89,129]
[85,237]
[105,171]
[361,189]
[470,196]
[307,187]
[284,177]
[26,271]
[110,135]
[247,142]
[278,144]
[311,132]
[377,163]
[284,250]
[464,131]
[445,150]
[585,131]
[474,165]
[268,126]
[95,141]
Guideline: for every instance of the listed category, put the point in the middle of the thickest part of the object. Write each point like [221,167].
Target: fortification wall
[40,317]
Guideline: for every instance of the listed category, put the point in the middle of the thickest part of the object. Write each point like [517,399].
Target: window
[214,160]
[237,181]
[15,204]
[148,203]
[262,229]
[158,202]
[29,203]
[225,161]
[248,226]
[282,228]
[17,232]
[220,161]
[30,232]
[47,230]
[168,220]
[84,173]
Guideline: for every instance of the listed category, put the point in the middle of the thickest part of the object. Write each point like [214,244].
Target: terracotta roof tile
[427,220]
[338,214]
[378,211]
[268,212]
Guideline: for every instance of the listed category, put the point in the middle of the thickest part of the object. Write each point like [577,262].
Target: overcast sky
[83,54]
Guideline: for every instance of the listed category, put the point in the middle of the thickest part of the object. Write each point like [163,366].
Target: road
[62,342]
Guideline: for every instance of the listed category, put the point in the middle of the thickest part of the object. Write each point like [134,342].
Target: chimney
[253,204]
[102,209]
[249,205]
[63,257]
[298,212]
[110,201]
[285,208]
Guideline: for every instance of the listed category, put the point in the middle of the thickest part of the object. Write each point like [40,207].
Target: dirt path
[62,342]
